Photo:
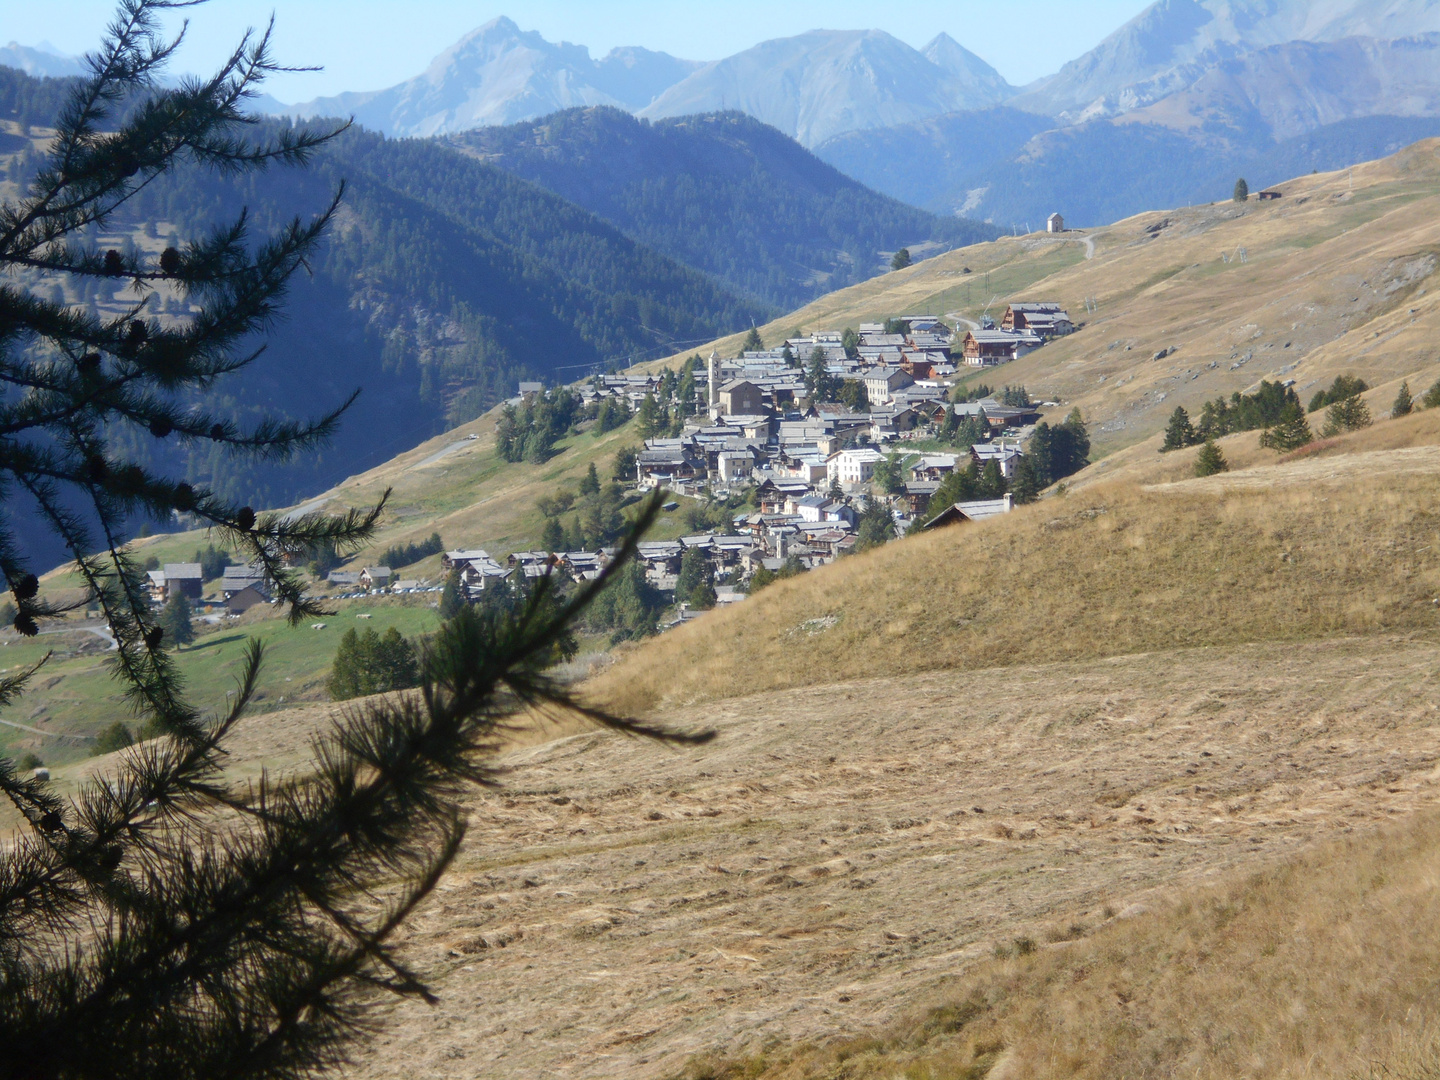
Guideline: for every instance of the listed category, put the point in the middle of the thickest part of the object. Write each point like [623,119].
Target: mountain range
[810,87]
[500,74]
[722,193]
[826,82]
[1163,110]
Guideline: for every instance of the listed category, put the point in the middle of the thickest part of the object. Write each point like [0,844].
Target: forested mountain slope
[443,282]
[723,193]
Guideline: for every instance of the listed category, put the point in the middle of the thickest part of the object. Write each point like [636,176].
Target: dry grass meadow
[844,859]
[1324,545]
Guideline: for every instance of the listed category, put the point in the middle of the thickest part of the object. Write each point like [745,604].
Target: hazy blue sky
[369,44]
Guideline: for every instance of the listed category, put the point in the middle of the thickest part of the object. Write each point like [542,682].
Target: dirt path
[837,851]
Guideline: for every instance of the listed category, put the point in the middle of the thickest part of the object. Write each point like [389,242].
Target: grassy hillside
[453,485]
[1212,981]
[723,193]
[76,694]
[1337,279]
[1305,549]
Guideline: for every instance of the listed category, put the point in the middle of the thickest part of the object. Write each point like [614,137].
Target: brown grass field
[847,857]
[1328,544]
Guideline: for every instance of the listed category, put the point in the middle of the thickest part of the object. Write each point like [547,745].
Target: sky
[371,44]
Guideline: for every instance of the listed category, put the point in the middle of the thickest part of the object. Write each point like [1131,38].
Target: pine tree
[1352,414]
[889,476]
[590,482]
[1431,399]
[1027,483]
[1291,432]
[1404,403]
[819,383]
[650,416]
[788,355]
[875,527]
[1180,433]
[552,535]
[170,921]
[175,620]
[900,260]
[452,596]
[694,572]
[992,481]
[623,470]
[1242,190]
[1211,459]
[752,342]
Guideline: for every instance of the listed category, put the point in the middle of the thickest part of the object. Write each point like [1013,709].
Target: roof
[1042,308]
[858,453]
[993,452]
[182,570]
[736,384]
[970,511]
[466,556]
[1000,337]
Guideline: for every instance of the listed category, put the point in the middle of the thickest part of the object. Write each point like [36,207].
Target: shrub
[115,737]
[1432,396]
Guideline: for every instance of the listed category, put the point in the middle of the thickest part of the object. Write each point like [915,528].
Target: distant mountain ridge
[723,193]
[500,74]
[1172,107]
[820,84]
[811,86]
[40,62]
[1172,43]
